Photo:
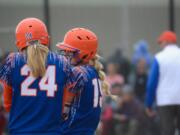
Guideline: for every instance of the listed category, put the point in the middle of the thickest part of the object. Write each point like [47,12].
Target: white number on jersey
[25,90]
[97,92]
[47,83]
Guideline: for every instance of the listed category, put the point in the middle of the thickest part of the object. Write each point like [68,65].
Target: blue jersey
[37,102]
[86,110]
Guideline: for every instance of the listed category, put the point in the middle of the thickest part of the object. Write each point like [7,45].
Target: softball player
[33,80]
[80,45]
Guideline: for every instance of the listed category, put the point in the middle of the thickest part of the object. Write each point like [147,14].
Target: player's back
[36,103]
[86,110]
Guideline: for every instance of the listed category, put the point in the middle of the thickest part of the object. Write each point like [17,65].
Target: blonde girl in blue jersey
[34,80]
[80,46]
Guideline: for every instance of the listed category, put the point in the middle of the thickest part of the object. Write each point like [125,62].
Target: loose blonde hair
[36,58]
[99,67]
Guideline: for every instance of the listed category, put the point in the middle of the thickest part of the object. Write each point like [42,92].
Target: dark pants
[170,119]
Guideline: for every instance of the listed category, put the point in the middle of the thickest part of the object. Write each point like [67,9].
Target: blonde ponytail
[36,59]
[99,67]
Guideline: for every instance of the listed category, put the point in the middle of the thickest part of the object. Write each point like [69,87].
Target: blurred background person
[141,50]
[163,84]
[114,78]
[139,79]
[116,81]
[123,64]
[130,115]
[107,123]
[141,60]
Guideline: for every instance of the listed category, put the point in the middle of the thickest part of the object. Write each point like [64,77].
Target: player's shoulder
[80,71]
[55,57]
[14,55]
[86,71]
[52,56]
[159,55]
[14,58]
[10,57]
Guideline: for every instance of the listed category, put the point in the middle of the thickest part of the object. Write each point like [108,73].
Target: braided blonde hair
[99,67]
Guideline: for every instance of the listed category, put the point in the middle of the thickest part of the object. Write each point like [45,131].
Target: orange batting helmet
[31,29]
[82,40]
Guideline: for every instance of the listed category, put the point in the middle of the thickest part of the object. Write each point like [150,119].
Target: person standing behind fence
[163,84]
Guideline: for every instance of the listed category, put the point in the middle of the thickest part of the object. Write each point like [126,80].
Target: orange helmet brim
[66,47]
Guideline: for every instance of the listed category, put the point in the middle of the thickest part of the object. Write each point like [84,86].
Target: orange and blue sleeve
[74,84]
[7,96]
[68,98]
[75,78]
[6,81]
[72,87]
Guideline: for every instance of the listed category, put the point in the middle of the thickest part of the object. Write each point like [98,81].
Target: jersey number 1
[97,93]
[47,83]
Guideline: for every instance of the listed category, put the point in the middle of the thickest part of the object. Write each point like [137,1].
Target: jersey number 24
[47,83]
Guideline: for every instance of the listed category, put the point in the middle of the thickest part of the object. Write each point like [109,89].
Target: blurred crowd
[124,112]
